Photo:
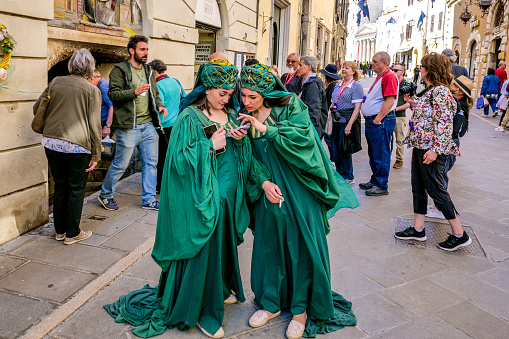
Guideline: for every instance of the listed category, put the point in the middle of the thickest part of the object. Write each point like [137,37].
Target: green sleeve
[298,144]
[189,200]
[117,91]
[258,174]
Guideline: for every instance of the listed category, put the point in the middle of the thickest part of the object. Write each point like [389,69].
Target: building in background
[340,32]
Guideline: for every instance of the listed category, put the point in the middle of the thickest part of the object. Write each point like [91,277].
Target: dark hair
[277,102]
[158,65]
[203,104]
[439,69]
[491,71]
[329,80]
[250,62]
[133,42]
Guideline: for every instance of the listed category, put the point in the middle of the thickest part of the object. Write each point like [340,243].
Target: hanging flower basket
[7,44]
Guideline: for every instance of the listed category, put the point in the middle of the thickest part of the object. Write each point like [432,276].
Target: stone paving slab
[131,236]
[9,263]
[353,284]
[19,313]
[145,269]
[112,225]
[413,265]
[486,325]
[78,256]
[45,281]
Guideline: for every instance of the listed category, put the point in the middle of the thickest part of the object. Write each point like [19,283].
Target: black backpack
[460,121]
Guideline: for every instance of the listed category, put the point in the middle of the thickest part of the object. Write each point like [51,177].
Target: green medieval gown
[290,263]
[202,218]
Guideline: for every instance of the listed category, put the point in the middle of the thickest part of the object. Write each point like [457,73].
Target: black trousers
[68,171]
[164,141]
[430,179]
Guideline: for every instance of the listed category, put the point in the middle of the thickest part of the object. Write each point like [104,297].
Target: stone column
[23,188]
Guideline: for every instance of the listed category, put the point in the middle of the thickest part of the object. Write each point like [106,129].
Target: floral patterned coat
[432,121]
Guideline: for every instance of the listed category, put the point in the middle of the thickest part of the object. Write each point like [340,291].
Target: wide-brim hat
[331,71]
[465,85]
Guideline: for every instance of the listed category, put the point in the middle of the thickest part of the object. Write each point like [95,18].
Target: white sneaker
[499,129]
[350,181]
[433,212]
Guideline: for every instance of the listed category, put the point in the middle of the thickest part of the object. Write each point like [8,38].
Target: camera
[409,88]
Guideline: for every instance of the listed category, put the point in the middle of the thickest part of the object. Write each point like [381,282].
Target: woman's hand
[348,129]
[409,99]
[254,122]
[272,192]
[219,139]
[429,157]
[238,134]
[91,166]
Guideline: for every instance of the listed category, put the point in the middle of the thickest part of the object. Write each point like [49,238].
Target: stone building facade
[182,33]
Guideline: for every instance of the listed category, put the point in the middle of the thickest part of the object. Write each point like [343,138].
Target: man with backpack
[171,93]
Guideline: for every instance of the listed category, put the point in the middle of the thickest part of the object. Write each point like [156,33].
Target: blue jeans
[328,141]
[344,165]
[493,104]
[379,140]
[145,138]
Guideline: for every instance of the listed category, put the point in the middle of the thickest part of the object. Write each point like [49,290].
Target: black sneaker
[411,234]
[109,203]
[453,243]
[376,191]
[366,185]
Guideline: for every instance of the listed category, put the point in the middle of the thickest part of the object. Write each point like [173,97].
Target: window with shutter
[432,23]
[440,15]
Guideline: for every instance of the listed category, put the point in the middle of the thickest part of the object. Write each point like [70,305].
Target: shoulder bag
[40,115]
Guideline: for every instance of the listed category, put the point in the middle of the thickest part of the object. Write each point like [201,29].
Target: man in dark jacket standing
[313,93]
[136,104]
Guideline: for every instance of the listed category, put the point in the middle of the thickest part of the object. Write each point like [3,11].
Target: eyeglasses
[288,61]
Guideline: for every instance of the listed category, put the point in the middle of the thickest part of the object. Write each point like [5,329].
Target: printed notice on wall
[202,53]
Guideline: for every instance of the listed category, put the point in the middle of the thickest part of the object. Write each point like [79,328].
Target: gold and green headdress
[259,78]
[217,73]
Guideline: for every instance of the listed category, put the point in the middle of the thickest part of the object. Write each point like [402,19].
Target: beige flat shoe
[60,237]
[83,235]
[232,299]
[260,318]
[218,334]
[295,330]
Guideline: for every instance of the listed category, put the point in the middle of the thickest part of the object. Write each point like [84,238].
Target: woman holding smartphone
[202,217]
[290,262]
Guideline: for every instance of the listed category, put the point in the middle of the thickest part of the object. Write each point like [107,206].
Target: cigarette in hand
[280,202]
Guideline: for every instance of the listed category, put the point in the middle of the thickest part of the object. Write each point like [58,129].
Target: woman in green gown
[202,217]
[290,262]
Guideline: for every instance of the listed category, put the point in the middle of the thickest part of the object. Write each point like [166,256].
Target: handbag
[502,103]
[479,103]
[351,143]
[328,125]
[109,148]
[40,115]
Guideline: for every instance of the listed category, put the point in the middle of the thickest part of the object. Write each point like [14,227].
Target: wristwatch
[108,125]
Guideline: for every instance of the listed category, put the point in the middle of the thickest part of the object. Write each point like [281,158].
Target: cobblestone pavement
[398,289]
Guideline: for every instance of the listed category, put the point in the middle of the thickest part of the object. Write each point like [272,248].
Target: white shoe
[260,318]
[433,212]
[232,299]
[350,181]
[83,235]
[218,334]
[499,129]
[295,330]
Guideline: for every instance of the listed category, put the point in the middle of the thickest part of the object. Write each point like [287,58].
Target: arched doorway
[473,57]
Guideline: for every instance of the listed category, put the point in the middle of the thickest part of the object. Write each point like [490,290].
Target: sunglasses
[395,70]
[291,61]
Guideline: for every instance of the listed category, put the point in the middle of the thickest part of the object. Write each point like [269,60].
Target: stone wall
[23,188]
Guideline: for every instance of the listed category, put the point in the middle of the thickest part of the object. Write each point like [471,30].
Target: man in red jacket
[501,73]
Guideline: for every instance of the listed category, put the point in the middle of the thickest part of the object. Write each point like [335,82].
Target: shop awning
[405,49]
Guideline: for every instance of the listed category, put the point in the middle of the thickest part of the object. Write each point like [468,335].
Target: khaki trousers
[399,132]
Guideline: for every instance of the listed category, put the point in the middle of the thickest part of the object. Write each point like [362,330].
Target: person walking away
[345,108]
[431,137]
[72,142]
[490,89]
[378,111]
[106,105]
[457,70]
[313,93]
[171,93]
[416,74]
[400,112]
[136,108]
[203,215]
[290,261]
[331,78]
[501,74]
[292,81]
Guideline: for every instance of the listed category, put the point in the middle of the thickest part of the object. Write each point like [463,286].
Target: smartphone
[243,127]
[208,131]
